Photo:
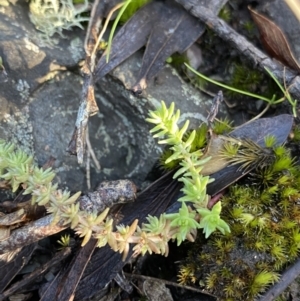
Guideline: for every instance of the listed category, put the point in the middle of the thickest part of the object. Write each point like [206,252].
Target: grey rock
[40,98]
[156,290]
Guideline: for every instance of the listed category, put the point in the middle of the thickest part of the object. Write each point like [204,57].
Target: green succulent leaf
[184,220]
[211,220]
[189,173]
[155,225]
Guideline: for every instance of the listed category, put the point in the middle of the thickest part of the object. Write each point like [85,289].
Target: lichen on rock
[54,16]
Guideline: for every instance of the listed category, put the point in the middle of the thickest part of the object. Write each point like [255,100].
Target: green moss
[170,165]
[249,26]
[222,126]
[225,14]
[244,78]
[264,219]
[296,133]
[177,60]
[200,139]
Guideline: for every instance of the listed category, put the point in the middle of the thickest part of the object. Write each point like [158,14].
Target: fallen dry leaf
[274,40]
[11,263]
[164,27]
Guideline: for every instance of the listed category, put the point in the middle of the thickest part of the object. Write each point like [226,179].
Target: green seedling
[121,16]
[123,7]
[270,101]
[285,92]
[64,241]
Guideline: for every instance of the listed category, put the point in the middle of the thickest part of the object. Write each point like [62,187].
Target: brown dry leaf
[274,40]
[4,232]
[13,218]
[10,265]
[165,28]
[63,286]
[217,161]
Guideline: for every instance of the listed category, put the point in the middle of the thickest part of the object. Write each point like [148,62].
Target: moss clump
[249,26]
[222,126]
[296,133]
[264,218]
[245,79]
[225,14]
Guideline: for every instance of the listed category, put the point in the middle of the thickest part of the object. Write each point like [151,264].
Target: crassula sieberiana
[18,169]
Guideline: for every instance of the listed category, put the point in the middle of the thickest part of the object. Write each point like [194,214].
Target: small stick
[88,106]
[104,28]
[107,195]
[214,111]
[166,282]
[90,153]
[88,168]
[214,108]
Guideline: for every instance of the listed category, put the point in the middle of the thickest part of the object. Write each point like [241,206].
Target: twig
[88,168]
[90,153]
[214,108]
[168,283]
[88,106]
[105,27]
[93,28]
[30,233]
[224,31]
[108,194]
